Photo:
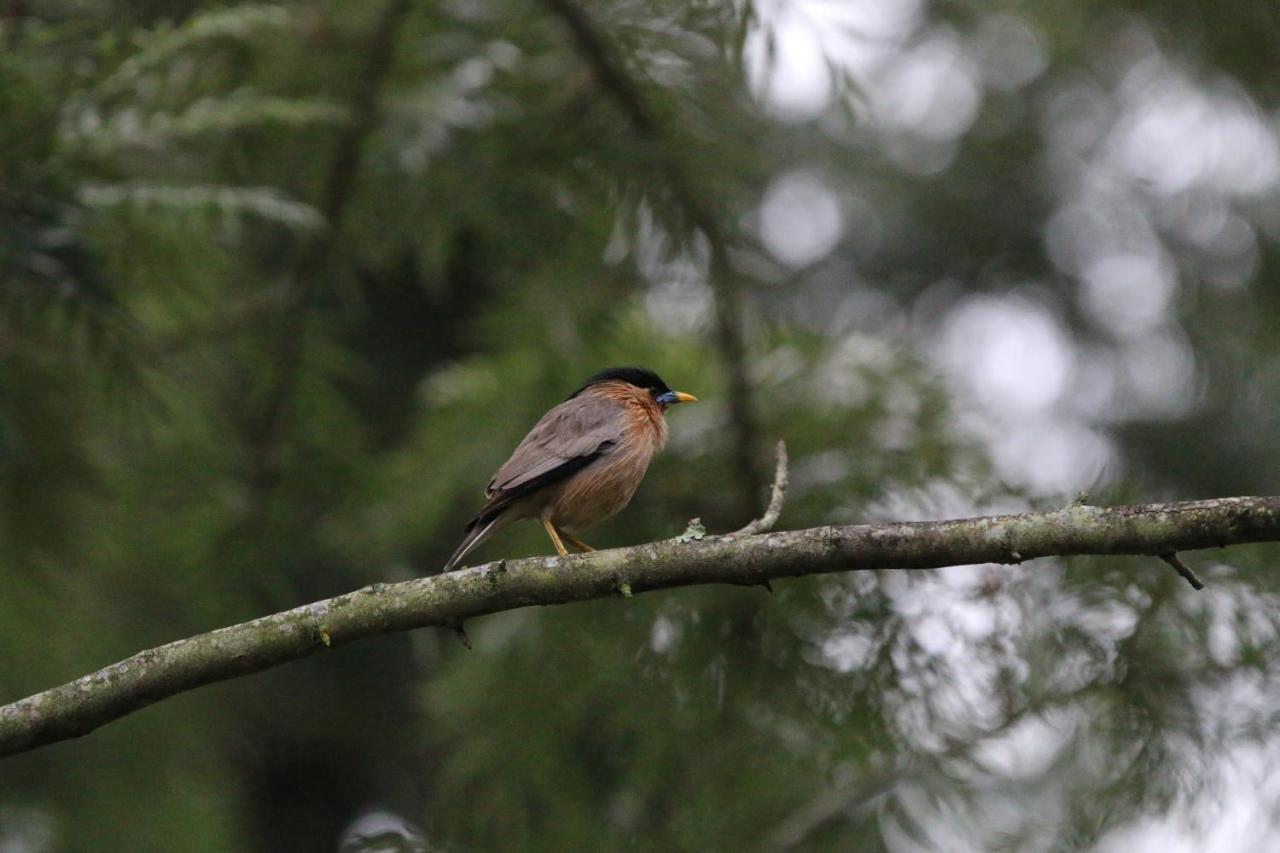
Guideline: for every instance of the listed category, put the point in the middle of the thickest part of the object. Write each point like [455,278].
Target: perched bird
[581,462]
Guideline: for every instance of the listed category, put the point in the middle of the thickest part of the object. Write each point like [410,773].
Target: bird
[581,462]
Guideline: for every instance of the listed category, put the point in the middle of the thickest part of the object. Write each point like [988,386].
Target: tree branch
[449,600]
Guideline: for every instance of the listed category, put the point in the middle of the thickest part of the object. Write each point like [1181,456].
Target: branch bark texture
[448,600]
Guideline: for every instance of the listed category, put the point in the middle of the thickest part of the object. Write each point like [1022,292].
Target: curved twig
[781,478]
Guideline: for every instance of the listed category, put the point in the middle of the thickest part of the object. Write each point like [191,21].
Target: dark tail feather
[481,528]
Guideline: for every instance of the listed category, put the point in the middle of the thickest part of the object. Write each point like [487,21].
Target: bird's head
[643,379]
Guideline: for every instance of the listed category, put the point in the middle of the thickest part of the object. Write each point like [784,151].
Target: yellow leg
[576,542]
[555,537]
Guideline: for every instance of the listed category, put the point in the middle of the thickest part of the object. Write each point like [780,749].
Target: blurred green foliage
[281,284]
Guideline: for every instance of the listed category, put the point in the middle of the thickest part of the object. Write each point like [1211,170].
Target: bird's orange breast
[606,486]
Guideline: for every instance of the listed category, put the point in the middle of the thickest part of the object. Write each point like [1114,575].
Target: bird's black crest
[637,376]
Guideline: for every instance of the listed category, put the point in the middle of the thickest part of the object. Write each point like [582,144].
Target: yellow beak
[682,397]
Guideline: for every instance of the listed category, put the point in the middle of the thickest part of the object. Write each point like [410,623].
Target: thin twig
[1183,569]
[765,523]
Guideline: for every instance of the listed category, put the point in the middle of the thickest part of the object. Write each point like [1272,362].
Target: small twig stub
[1183,569]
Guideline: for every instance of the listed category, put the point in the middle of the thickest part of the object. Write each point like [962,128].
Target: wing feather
[567,439]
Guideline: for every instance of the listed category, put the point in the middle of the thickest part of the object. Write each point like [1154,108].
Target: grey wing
[567,439]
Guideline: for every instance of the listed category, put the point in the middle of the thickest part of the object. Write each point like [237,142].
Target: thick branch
[448,600]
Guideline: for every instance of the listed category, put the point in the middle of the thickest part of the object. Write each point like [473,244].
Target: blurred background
[280,286]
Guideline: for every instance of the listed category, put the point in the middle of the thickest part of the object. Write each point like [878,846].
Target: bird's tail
[481,528]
